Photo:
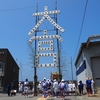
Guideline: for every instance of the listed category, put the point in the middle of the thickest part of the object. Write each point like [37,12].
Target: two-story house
[9,70]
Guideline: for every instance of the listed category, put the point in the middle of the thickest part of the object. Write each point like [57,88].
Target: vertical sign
[43,39]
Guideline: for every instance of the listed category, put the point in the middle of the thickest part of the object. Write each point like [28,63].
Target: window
[1,66]
[0,81]
[14,69]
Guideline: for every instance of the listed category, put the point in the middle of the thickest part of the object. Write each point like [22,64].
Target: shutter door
[95,64]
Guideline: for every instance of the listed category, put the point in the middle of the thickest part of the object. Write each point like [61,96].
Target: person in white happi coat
[73,88]
[62,87]
[26,83]
[49,87]
[70,87]
[45,88]
[55,88]
[39,87]
[20,87]
[92,86]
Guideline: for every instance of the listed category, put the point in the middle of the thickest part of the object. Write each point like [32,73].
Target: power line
[81,28]
[16,9]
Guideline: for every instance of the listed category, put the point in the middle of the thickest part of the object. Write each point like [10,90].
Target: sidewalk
[30,97]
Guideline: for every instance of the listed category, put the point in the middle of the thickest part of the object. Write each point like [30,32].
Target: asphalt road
[30,97]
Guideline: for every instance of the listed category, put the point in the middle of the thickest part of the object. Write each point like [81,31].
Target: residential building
[9,70]
[88,61]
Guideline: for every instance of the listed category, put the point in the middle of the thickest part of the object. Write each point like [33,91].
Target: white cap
[54,80]
[44,78]
[62,80]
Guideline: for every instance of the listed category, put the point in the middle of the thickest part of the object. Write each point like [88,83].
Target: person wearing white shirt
[39,87]
[26,83]
[70,87]
[73,88]
[44,85]
[55,87]
[62,86]
[20,87]
[92,86]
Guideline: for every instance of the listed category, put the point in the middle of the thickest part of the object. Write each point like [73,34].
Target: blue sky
[16,21]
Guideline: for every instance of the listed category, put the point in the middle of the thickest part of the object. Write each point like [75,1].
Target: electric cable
[16,9]
[81,29]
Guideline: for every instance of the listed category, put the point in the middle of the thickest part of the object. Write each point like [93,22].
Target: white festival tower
[45,15]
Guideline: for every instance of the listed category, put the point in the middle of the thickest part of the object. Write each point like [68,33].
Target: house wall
[81,75]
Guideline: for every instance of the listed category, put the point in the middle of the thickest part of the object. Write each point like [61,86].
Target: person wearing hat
[39,87]
[26,83]
[20,87]
[49,84]
[49,87]
[80,87]
[73,88]
[92,86]
[62,87]
[45,87]
[70,86]
[55,88]
[88,86]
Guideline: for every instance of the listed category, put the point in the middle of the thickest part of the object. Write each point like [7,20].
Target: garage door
[95,62]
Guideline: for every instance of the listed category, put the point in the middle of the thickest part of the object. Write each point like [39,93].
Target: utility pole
[35,69]
[59,66]
[71,69]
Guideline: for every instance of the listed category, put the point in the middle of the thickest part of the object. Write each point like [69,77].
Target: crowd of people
[48,87]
